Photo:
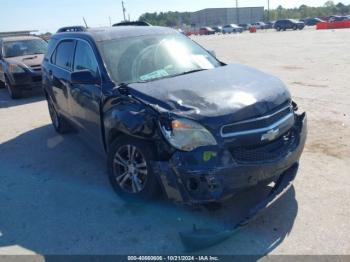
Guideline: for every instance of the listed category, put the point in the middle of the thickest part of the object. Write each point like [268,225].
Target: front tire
[130,171]
[14,93]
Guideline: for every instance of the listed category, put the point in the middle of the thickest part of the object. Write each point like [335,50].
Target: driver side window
[84,58]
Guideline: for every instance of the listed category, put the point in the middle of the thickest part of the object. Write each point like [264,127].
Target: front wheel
[130,171]
[14,93]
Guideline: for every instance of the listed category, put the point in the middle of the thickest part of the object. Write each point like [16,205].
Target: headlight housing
[15,68]
[187,135]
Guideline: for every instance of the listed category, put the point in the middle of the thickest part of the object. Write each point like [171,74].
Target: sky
[49,15]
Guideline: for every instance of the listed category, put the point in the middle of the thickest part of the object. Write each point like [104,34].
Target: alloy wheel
[130,169]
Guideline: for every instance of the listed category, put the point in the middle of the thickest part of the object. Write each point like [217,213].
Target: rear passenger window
[85,58]
[63,56]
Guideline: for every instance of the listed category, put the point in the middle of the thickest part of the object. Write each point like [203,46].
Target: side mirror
[212,52]
[84,77]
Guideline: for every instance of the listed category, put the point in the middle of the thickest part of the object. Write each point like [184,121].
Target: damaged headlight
[187,135]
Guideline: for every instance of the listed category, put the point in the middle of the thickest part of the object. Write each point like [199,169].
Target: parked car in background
[269,25]
[245,26]
[169,117]
[260,25]
[217,29]
[232,28]
[206,31]
[312,21]
[283,25]
[20,63]
[337,18]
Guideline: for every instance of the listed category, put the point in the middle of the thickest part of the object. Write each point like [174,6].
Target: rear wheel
[295,27]
[130,171]
[278,28]
[14,93]
[59,123]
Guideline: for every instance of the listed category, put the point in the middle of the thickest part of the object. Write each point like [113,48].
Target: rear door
[85,99]
[59,74]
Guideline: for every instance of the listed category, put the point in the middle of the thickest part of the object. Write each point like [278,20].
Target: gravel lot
[55,197]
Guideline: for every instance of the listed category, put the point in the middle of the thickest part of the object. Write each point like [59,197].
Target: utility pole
[124,10]
[237,12]
[268,10]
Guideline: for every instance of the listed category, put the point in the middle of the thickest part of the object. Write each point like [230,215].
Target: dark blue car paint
[103,112]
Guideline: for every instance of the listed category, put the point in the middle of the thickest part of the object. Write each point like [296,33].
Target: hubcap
[130,169]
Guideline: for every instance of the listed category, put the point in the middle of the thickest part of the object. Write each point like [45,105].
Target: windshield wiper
[169,76]
[190,72]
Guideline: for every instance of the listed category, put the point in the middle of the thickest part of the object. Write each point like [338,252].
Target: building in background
[224,16]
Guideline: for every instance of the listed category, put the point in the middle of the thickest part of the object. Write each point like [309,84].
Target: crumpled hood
[28,60]
[233,93]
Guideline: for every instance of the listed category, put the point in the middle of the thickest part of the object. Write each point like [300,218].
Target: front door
[86,98]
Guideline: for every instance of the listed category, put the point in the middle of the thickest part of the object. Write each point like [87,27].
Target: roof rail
[135,23]
[17,33]
[77,28]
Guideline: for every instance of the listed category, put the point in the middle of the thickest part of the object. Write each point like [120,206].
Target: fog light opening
[193,184]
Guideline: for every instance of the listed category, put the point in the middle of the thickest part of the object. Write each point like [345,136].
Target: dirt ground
[55,197]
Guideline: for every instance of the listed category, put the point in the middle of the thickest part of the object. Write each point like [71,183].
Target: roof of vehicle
[18,38]
[109,33]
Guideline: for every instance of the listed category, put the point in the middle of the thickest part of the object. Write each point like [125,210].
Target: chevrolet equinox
[169,117]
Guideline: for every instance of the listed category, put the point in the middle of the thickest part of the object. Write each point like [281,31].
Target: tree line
[173,19]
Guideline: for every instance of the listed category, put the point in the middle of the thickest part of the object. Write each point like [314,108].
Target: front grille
[266,152]
[256,123]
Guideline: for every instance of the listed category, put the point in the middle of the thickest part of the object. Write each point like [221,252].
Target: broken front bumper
[215,173]
[198,238]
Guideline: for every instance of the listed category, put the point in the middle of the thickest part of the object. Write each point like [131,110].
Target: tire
[14,93]
[278,28]
[59,123]
[295,28]
[129,160]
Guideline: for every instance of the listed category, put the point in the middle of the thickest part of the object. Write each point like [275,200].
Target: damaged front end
[216,172]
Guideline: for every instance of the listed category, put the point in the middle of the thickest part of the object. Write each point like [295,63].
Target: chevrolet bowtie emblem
[271,135]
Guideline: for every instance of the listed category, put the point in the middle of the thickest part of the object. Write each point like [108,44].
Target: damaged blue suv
[169,117]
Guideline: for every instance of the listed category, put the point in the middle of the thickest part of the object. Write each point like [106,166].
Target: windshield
[24,47]
[147,58]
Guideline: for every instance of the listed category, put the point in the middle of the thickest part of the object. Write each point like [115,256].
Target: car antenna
[86,25]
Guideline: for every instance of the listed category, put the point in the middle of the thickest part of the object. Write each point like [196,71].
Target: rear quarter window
[50,48]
